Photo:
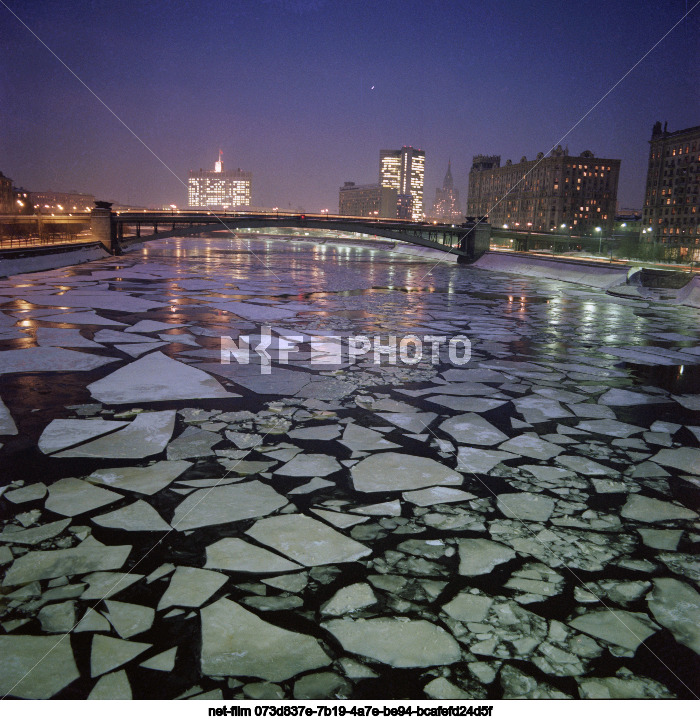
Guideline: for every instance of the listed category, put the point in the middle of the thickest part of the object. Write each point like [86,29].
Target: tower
[404,170]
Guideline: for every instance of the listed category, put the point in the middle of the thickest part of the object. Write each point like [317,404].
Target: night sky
[305,93]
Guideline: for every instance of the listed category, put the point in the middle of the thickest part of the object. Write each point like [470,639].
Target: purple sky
[285,89]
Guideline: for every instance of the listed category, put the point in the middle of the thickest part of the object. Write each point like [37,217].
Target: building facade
[367,201]
[7,197]
[576,192]
[49,201]
[219,189]
[672,196]
[446,206]
[404,170]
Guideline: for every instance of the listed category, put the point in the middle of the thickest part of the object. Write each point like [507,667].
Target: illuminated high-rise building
[219,189]
[404,170]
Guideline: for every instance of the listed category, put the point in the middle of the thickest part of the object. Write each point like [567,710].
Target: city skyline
[319,88]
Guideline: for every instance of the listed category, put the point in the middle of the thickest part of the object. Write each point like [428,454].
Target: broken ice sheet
[234,554]
[397,642]
[306,541]
[138,516]
[146,480]
[146,435]
[71,497]
[86,557]
[23,677]
[64,432]
[472,429]
[235,642]
[401,472]
[226,504]
[191,587]
[155,377]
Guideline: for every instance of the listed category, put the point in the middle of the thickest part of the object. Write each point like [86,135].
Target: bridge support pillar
[102,226]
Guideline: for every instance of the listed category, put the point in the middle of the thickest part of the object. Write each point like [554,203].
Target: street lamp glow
[598,229]
[505,225]
[563,225]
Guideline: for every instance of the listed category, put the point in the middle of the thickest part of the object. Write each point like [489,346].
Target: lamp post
[598,230]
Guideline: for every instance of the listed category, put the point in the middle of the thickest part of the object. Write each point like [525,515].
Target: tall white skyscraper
[404,170]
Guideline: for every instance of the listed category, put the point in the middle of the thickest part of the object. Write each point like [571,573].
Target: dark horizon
[305,94]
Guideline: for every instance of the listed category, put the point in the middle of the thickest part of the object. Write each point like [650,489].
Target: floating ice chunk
[25,494]
[532,447]
[146,480]
[139,516]
[257,313]
[620,628]
[388,508]
[235,642]
[391,471]
[281,381]
[622,397]
[22,676]
[226,504]
[234,554]
[358,438]
[92,621]
[112,687]
[151,326]
[685,459]
[441,688]
[525,506]
[612,687]
[88,556]
[105,585]
[129,619]
[609,427]
[536,409]
[156,377]
[164,661]
[477,460]
[437,494]
[314,484]
[585,466]
[349,599]
[191,587]
[468,607]
[478,556]
[650,510]
[662,540]
[397,642]
[676,606]
[71,497]
[109,653]
[306,540]
[472,429]
[84,318]
[65,337]
[146,435]
[57,617]
[475,405]
[50,360]
[63,432]
[317,433]
[138,349]
[308,465]
[411,422]
[35,534]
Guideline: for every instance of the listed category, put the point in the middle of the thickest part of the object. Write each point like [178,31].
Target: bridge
[116,229]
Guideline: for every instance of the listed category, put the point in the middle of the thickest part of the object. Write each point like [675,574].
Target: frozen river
[331,519]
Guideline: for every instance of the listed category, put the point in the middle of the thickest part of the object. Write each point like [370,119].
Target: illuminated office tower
[404,170]
[219,189]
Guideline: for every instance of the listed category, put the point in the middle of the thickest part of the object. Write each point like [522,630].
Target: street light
[598,229]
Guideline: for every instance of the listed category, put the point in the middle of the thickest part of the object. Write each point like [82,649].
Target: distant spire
[448,183]
[218,165]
